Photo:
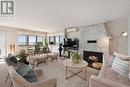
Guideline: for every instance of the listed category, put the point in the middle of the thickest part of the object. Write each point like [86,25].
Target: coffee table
[82,66]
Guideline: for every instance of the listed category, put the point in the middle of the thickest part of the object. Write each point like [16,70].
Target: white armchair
[108,77]
[19,81]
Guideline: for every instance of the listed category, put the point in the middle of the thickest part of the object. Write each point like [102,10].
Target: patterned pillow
[121,65]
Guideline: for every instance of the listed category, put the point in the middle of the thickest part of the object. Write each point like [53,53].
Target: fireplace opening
[94,59]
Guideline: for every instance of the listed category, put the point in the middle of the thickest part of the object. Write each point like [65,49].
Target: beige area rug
[57,69]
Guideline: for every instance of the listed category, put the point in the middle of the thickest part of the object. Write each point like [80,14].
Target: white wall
[129,36]
[12,37]
[2,43]
[115,28]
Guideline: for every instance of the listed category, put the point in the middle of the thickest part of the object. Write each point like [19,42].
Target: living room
[66,43]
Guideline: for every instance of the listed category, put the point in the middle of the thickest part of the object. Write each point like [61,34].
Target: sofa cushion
[121,64]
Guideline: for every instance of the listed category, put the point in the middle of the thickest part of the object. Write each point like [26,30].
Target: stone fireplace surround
[91,38]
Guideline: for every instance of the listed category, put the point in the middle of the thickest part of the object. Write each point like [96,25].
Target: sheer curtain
[2,43]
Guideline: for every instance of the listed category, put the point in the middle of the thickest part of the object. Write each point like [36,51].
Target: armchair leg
[11,84]
[7,77]
[37,64]
[51,59]
[45,62]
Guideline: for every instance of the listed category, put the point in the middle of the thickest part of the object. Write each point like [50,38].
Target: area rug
[57,69]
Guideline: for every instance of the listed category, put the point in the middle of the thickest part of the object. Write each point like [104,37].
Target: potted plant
[47,45]
[46,42]
[75,58]
[22,55]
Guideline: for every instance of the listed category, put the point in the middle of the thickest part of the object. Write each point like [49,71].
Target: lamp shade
[124,34]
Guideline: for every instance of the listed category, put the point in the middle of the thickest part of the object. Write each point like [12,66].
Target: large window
[39,38]
[61,39]
[32,40]
[22,40]
[51,40]
[56,39]
[26,40]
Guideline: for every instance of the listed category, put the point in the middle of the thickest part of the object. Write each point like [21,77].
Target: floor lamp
[123,34]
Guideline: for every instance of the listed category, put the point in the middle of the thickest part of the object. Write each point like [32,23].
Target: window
[26,40]
[61,39]
[22,40]
[32,40]
[39,38]
[51,39]
[57,39]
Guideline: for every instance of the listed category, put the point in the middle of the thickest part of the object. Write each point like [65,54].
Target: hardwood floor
[3,73]
[53,69]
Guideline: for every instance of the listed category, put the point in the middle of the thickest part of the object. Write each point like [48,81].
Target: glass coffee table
[82,66]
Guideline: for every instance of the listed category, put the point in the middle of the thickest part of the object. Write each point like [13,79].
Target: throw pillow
[26,72]
[121,66]
[121,56]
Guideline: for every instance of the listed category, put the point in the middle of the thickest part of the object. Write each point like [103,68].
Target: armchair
[108,77]
[19,81]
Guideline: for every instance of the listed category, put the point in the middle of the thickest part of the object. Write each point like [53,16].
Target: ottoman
[52,55]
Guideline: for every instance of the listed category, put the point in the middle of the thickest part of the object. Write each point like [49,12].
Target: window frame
[60,40]
[27,39]
[54,41]
[34,42]
[25,42]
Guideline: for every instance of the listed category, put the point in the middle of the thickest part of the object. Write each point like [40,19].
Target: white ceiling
[56,15]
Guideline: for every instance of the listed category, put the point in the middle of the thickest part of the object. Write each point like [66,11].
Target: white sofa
[108,77]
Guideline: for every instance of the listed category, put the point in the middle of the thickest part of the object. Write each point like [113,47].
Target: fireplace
[93,58]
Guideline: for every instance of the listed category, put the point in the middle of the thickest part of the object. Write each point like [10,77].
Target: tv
[69,42]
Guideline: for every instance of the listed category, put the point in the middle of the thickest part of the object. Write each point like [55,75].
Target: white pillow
[121,66]
[124,57]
